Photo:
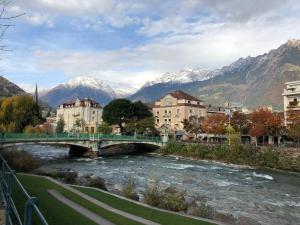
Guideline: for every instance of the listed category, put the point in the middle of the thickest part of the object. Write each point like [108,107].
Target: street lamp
[228,112]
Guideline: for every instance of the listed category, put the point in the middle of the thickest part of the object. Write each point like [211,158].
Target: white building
[87,113]
[291,99]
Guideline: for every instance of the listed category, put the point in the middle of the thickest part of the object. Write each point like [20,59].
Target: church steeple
[36,94]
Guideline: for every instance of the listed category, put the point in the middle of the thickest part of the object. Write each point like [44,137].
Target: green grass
[142,211]
[57,213]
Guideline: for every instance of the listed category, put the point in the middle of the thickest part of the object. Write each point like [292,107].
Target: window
[166,120]
[170,120]
[169,111]
[93,111]
[198,103]
[157,120]
[166,111]
[191,111]
[157,112]
[189,102]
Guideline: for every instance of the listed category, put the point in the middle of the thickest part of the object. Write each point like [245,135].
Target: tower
[36,94]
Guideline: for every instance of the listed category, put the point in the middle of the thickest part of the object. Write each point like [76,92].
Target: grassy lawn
[55,212]
[145,212]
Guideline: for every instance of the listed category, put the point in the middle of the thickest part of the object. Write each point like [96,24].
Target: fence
[10,184]
[12,137]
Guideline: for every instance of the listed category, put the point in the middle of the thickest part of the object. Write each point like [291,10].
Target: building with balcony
[291,99]
[171,110]
[81,115]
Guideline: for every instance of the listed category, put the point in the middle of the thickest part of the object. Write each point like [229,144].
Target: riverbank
[247,194]
[111,208]
[242,155]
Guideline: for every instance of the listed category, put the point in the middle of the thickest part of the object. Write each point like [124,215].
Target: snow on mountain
[91,82]
[185,75]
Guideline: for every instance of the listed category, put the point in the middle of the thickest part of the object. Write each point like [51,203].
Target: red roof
[182,95]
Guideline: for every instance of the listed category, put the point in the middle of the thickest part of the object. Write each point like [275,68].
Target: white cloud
[209,46]
[198,33]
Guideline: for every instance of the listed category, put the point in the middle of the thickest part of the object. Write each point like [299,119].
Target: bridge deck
[23,137]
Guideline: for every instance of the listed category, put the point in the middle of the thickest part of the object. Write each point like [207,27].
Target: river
[267,196]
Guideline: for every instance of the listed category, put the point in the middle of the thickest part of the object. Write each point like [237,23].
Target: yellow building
[171,110]
[87,112]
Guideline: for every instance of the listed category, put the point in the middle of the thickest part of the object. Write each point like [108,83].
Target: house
[81,115]
[291,98]
[171,110]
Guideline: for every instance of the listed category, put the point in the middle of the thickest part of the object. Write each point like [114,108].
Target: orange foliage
[264,122]
[215,124]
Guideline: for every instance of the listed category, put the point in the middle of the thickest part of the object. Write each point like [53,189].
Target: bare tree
[5,21]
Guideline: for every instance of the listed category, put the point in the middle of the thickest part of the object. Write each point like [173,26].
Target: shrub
[68,177]
[268,158]
[173,200]
[21,161]
[172,147]
[128,189]
[203,210]
[153,193]
[97,182]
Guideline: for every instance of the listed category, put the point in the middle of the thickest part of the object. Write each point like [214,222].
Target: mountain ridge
[253,81]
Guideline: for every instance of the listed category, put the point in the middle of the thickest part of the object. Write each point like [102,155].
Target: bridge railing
[10,185]
[73,136]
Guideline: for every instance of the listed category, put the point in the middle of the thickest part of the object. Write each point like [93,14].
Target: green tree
[122,111]
[104,128]
[60,125]
[79,125]
[144,126]
[141,110]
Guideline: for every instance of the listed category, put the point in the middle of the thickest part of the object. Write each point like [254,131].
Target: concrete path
[83,211]
[105,206]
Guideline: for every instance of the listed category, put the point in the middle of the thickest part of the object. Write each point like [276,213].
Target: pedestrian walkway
[83,211]
[105,206]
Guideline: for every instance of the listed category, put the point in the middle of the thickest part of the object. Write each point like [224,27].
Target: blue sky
[130,42]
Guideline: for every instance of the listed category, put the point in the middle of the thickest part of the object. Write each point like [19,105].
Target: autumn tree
[215,124]
[263,122]
[17,112]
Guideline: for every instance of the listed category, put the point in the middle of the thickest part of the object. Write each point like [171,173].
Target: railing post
[9,197]
[28,210]
[2,179]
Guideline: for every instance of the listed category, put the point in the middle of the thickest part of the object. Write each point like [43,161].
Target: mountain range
[252,81]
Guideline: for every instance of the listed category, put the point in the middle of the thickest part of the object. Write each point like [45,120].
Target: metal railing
[13,137]
[9,184]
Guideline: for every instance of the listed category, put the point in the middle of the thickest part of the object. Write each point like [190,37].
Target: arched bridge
[93,142]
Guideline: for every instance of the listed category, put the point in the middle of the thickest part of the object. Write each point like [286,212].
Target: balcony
[294,104]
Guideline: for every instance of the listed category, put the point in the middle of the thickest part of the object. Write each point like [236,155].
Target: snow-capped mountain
[91,82]
[185,75]
[85,87]
[255,81]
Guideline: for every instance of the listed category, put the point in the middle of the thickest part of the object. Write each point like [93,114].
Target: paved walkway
[83,211]
[105,206]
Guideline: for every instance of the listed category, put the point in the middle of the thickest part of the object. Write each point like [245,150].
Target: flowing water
[267,196]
